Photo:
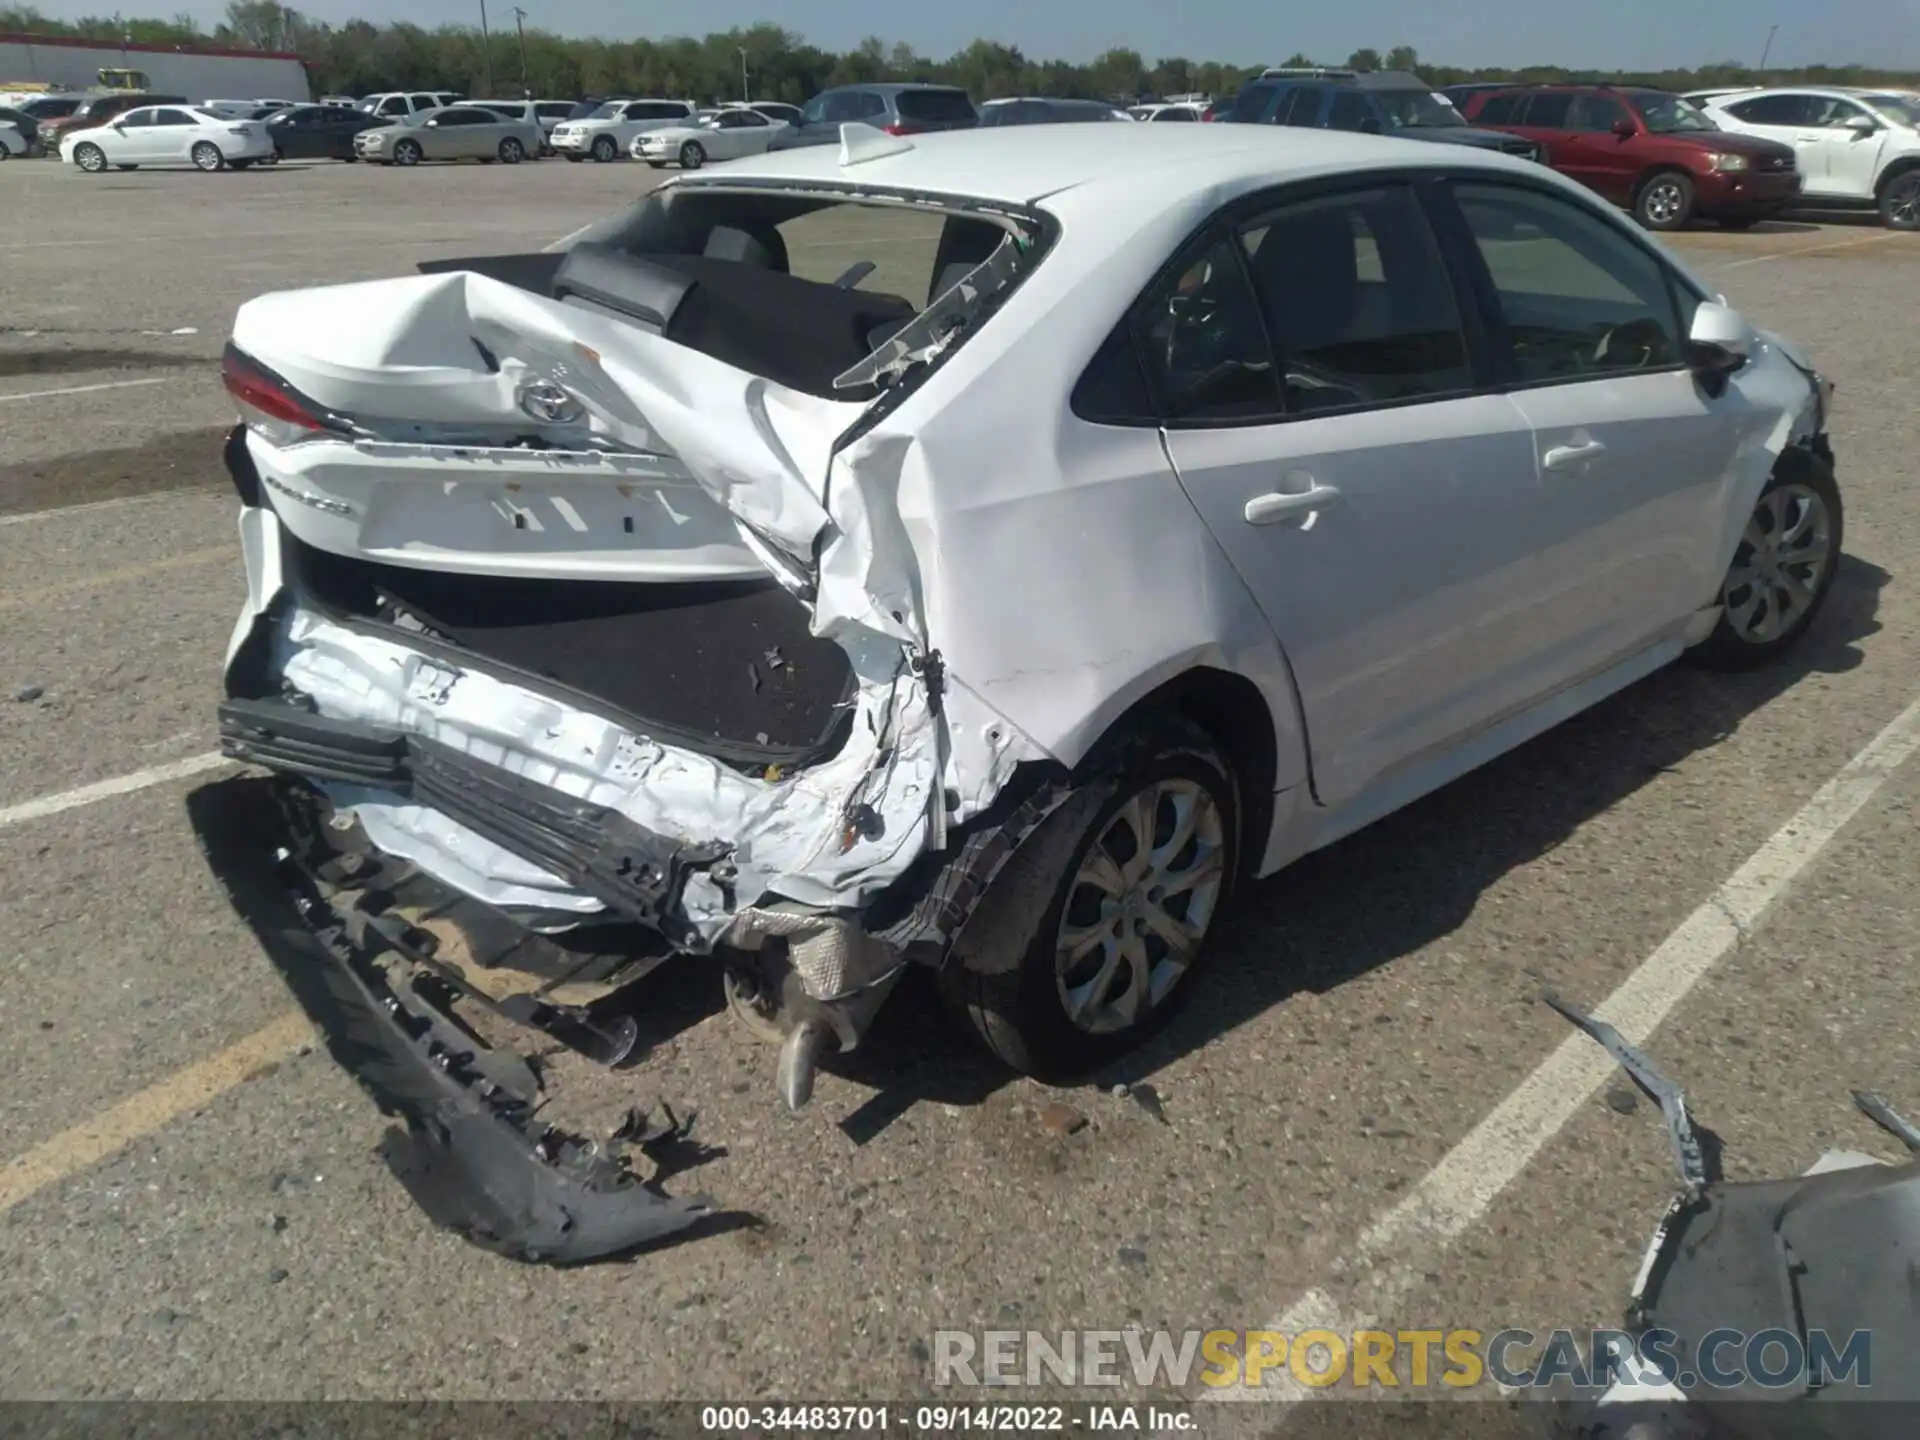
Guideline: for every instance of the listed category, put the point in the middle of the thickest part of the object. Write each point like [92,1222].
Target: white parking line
[89,389]
[1809,250]
[58,511]
[106,789]
[1458,1191]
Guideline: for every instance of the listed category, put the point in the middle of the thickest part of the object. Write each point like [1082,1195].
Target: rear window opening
[799,287]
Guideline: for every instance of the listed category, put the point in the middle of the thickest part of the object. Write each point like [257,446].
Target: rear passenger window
[1549,112]
[1357,301]
[1299,106]
[1498,110]
[1578,297]
[1348,112]
[1595,114]
[1203,346]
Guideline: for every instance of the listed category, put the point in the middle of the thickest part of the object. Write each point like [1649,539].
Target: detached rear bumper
[472,1154]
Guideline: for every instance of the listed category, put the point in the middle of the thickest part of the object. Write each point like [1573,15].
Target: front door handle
[1560,457]
[1281,504]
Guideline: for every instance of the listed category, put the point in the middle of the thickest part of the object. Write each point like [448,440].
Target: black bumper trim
[636,872]
[472,1155]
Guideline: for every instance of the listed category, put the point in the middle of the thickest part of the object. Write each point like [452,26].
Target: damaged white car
[949,551]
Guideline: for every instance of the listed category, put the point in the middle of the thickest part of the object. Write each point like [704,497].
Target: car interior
[714,274]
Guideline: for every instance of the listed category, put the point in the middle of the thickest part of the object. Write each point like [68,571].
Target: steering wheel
[1632,346]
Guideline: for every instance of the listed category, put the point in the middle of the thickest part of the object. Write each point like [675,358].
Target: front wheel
[1900,201]
[407,152]
[90,158]
[1665,202]
[512,152]
[1078,950]
[1782,568]
[206,156]
[604,150]
[692,156]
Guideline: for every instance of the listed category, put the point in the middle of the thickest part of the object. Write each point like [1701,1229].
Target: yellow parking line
[16,599]
[152,1109]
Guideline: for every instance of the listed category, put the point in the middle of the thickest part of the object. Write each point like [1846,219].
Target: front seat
[748,242]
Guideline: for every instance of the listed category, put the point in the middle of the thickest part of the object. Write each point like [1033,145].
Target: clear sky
[1604,34]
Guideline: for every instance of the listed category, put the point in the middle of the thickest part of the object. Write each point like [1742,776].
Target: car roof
[1162,166]
[891,87]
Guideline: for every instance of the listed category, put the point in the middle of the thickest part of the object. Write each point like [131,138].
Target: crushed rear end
[580,635]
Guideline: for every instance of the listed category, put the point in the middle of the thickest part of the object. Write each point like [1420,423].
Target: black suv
[1384,102]
[896,109]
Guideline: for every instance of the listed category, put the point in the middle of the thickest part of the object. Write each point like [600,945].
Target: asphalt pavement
[192,1202]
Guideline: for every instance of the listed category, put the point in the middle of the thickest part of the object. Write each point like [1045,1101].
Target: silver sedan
[453,132]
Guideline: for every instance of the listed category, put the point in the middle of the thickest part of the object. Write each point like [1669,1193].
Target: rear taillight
[269,406]
[899,128]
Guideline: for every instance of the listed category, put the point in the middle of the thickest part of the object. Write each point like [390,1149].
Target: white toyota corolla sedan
[976,550]
[168,135]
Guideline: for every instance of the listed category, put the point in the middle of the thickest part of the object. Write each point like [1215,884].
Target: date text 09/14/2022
[941,1419]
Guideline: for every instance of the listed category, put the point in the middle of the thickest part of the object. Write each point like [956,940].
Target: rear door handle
[1560,457]
[1281,504]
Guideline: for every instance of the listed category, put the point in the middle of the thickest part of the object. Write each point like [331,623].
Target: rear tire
[206,156]
[1782,568]
[1666,201]
[1900,200]
[1075,927]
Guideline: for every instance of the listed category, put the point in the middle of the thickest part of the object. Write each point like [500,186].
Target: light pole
[745,94]
[520,29]
[486,46]
[1772,30]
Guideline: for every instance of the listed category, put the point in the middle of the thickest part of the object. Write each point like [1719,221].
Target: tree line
[765,62]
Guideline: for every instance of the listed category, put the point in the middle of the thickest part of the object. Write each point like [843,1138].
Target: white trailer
[57,64]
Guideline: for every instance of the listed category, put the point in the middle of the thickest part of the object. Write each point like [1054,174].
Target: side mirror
[1861,124]
[433,124]
[1719,343]
[1624,129]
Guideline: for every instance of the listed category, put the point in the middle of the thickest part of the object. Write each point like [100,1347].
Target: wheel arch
[1262,749]
[1895,168]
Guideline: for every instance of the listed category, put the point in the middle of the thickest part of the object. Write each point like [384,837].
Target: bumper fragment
[639,874]
[471,1153]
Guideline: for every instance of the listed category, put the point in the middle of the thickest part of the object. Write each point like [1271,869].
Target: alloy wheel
[692,157]
[1780,565]
[1903,201]
[1663,202]
[90,158]
[1140,905]
[406,153]
[206,156]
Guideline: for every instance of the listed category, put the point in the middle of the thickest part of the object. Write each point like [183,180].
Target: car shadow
[1320,922]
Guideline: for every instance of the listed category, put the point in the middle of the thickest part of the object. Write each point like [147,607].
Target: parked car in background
[1701,97]
[1459,94]
[454,132]
[398,104]
[13,143]
[723,135]
[1652,152]
[1386,102]
[99,110]
[544,113]
[156,135]
[898,109]
[1852,147]
[1163,112]
[25,125]
[773,109]
[45,108]
[240,109]
[608,132]
[318,132]
[1044,110]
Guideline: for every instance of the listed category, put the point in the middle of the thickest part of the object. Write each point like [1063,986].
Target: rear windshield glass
[934,105]
[817,293]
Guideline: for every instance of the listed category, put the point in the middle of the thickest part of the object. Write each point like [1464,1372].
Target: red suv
[1654,153]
